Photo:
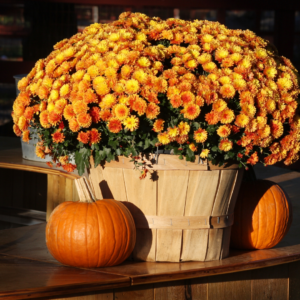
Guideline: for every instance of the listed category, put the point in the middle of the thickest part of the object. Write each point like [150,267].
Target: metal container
[28,149]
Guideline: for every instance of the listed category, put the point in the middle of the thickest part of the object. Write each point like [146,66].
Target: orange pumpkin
[262,216]
[97,234]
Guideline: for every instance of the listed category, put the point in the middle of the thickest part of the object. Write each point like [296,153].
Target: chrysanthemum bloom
[121,111]
[152,111]
[23,83]
[83,137]
[209,67]
[224,131]
[212,118]
[158,125]
[270,72]
[219,105]
[69,167]
[284,83]
[225,145]
[239,84]
[131,123]
[242,120]
[253,159]
[17,130]
[221,53]
[114,125]
[139,105]
[191,111]
[193,147]
[63,160]
[73,125]
[58,137]
[182,139]
[84,120]
[227,91]
[132,86]
[26,136]
[39,151]
[54,118]
[105,115]
[184,128]
[187,98]
[204,58]
[204,153]
[69,112]
[276,129]
[164,138]
[173,132]
[95,136]
[107,101]
[29,113]
[264,132]
[44,119]
[200,135]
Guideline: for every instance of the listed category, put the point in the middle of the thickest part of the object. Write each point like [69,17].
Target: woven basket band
[184,222]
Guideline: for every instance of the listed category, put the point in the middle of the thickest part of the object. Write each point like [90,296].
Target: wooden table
[28,271]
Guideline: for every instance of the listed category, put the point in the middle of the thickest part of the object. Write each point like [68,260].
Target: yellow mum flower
[121,111]
[132,86]
[193,147]
[164,138]
[107,101]
[284,83]
[184,128]
[200,135]
[242,120]
[225,80]
[131,123]
[64,90]
[144,62]
[224,131]
[219,105]
[270,72]
[204,153]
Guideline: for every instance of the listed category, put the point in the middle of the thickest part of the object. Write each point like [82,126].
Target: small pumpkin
[262,216]
[91,234]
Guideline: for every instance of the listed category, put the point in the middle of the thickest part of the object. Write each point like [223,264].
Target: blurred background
[29,29]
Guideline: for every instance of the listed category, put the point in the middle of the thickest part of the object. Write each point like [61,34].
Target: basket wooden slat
[184,190]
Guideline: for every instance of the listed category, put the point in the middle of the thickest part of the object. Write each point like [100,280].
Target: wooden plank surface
[24,278]
[29,242]
[11,158]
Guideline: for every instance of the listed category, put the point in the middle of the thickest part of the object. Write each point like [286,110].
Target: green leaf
[118,152]
[215,148]
[79,163]
[113,144]
[147,143]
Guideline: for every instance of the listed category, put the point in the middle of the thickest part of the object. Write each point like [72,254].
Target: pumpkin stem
[85,191]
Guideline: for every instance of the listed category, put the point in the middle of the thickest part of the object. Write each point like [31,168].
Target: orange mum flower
[73,125]
[83,137]
[29,112]
[224,131]
[54,118]
[227,91]
[242,120]
[26,136]
[39,151]
[139,105]
[121,111]
[175,101]
[95,136]
[253,159]
[58,137]
[114,125]
[158,125]
[80,107]
[193,147]
[44,119]
[187,98]
[152,111]
[95,113]
[69,167]
[191,111]
[105,115]
[17,130]
[219,105]
[225,145]
[212,118]
[69,112]
[84,120]
[132,86]
[23,98]
[276,129]
[200,135]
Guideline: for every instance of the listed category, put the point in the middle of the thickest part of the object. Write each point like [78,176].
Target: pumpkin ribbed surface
[262,217]
[91,234]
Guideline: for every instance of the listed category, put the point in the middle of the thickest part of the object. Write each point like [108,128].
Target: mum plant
[141,83]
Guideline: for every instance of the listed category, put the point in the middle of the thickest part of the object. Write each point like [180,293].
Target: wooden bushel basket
[183,213]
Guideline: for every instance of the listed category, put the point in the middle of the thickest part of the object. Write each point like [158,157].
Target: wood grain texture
[102,296]
[270,283]
[170,291]
[236,286]
[143,292]
[23,278]
[294,280]
[198,288]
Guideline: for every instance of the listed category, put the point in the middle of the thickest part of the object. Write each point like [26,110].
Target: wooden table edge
[30,168]
[64,290]
[211,271]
